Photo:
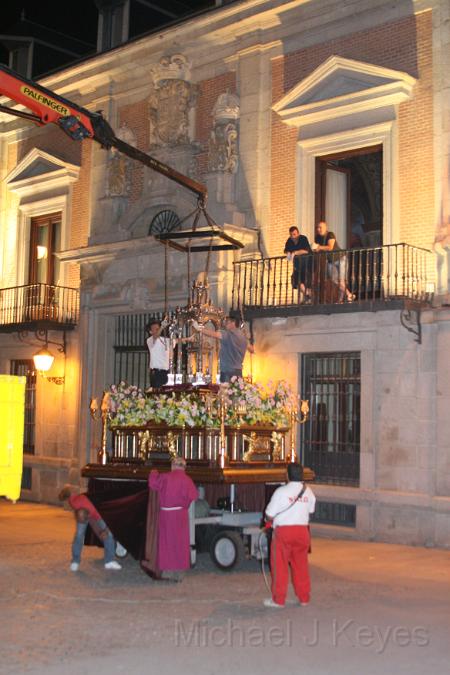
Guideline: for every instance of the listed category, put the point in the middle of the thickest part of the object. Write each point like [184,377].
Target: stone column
[441,87]
[253,67]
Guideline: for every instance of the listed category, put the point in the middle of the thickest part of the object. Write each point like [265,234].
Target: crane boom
[79,123]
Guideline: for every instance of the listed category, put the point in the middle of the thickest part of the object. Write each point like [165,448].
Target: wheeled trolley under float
[236,467]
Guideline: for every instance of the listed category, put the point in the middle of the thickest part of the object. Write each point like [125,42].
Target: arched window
[164,221]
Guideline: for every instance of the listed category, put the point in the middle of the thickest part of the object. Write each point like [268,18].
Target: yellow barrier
[12,420]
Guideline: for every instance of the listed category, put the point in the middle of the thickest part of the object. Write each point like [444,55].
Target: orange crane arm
[79,123]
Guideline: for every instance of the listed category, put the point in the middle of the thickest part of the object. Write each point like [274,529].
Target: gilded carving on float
[101,412]
[299,415]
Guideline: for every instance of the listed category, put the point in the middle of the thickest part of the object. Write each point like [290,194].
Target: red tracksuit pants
[290,544]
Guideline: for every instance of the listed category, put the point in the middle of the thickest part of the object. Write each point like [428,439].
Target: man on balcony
[296,248]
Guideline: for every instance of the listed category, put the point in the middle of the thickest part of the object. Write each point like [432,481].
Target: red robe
[176,491]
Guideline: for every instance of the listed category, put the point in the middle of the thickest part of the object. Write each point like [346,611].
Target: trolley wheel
[121,551]
[227,550]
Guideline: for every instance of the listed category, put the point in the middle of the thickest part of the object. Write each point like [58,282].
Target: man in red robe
[176,492]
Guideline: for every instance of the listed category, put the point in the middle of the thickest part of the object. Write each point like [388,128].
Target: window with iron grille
[334,513]
[331,438]
[130,348]
[27,478]
[26,367]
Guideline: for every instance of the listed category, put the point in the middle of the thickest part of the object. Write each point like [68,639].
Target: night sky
[79,18]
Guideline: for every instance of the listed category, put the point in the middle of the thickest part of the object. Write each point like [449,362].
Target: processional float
[222,452]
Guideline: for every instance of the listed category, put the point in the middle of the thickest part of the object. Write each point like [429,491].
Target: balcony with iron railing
[38,307]
[370,279]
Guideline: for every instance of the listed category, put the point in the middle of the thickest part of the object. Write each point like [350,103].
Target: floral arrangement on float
[246,403]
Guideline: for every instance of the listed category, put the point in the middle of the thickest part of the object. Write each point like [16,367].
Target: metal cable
[166,285]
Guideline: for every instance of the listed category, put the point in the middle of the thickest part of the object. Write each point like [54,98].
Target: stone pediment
[341,87]
[39,170]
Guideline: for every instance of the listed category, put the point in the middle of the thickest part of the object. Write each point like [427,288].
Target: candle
[106,401]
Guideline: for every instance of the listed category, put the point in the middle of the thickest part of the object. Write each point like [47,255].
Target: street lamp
[43,361]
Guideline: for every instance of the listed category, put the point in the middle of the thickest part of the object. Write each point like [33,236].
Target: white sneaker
[74,567]
[121,551]
[268,602]
[113,565]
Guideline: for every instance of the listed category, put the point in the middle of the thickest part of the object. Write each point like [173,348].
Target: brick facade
[136,117]
[416,169]
[52,140]
[403,45]
[209,91]
[80,216]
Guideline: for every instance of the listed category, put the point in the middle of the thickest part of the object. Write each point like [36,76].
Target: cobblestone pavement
[376,608]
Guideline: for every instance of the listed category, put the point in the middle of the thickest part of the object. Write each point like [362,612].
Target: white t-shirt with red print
[284,497]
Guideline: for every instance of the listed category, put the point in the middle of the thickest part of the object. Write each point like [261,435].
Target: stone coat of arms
[170,102]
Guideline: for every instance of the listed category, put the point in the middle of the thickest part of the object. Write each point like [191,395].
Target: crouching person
[86,514]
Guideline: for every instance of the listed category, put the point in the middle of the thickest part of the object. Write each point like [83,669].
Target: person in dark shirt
[325,240]
[234,345]
[298,249]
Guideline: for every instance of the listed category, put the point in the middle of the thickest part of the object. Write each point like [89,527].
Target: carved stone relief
[136,294]
[118,183]
[91,274]
[223,143]
[170,102]
[183,158]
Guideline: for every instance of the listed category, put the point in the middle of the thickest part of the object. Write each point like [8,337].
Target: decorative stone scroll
[171,100]
[223,143]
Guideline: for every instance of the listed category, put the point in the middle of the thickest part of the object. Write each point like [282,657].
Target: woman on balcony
[336,260]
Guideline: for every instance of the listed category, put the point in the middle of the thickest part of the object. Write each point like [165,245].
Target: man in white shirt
[288,511]
[158,348]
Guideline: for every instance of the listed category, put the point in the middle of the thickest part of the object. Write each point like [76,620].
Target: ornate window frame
[343,105]
[384,134]
[43,184]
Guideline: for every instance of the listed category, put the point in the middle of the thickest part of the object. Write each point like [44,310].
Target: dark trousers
[302,271]
[226,375]
[158,378]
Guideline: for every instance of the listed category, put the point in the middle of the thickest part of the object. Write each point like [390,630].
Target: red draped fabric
[132,518]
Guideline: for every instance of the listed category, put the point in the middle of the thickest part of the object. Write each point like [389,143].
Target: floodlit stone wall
[200,97]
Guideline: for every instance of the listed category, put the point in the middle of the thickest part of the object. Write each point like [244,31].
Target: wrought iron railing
[384,273]
[39,303]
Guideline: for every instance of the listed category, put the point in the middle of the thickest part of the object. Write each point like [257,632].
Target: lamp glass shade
[43,360]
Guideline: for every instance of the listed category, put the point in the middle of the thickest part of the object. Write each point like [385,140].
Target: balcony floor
[36,326]
[257,312]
